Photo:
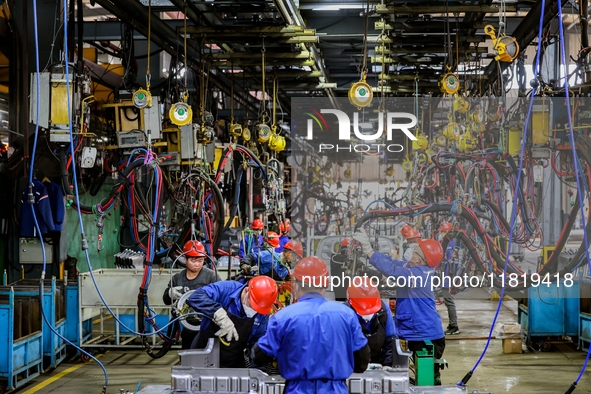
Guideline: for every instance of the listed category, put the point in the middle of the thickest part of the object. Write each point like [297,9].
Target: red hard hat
[345,243]
[262,291]
[445,227]
[257,224]
[413,233]
[273,239]
[284,227]
[194,249]
[432,250]
[296,247]
[363,296]
[405,229]
[311,268]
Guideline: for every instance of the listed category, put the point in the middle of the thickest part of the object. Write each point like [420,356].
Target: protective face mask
[368,317]
[408,252]
[249,311]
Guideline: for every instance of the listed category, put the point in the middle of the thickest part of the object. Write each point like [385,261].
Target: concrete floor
[531,372]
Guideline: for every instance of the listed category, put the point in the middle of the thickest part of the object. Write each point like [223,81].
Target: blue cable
[580,171]
[77,196]
[66,71]
[514,209]
[37,69]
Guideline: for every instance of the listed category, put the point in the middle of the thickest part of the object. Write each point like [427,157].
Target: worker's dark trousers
[438,347]
[448,300]
[187,338]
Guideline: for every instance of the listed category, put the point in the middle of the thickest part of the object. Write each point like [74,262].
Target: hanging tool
[360,94]
[142,98]
[506,47]
[181,113]
[276,141]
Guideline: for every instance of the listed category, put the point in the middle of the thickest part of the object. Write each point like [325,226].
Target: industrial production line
[144,167]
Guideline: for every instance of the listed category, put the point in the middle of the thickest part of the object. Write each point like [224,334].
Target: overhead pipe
[290,14]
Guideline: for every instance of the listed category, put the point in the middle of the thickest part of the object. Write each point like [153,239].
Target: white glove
[227,328]
[361,237]
[175,292]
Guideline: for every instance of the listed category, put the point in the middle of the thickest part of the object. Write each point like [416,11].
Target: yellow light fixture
[142,98]
[347,174]
[235,130]
[452,131]
[264,133]
[449,83]
[407,165]
[461,105]
[277,142]
[180,114]
[360,93]
[246,135]
[506,47]
[440,140]
[467,142]
[421,143]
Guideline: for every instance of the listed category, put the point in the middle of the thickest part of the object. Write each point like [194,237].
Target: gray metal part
[153,120]
[125,139]
[162,389]
[198,374]
[187,142]
[31,251]
[44,100]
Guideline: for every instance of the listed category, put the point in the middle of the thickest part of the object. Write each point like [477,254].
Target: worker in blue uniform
[236,313]
[293,251]
[252,240]
[375,319]
[317,343]
[417,319]
[266,260]
[283,228]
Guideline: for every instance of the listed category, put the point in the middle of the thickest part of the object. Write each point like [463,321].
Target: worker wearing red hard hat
[283,229]
[236,313]
[417,319]
[252,239]
[191,278]
[375,318]
[313,330]
[293,251]
[412,236]
[266,260]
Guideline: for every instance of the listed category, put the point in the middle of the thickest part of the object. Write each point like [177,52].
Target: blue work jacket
[416,315]
[313,341]
[248,245]
[267,261]
[282,241]
[390,327]
[207,300]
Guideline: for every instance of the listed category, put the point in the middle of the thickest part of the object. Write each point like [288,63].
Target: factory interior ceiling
[319,48]
[312,48]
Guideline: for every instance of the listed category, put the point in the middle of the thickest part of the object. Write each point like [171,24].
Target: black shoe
[452,331]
